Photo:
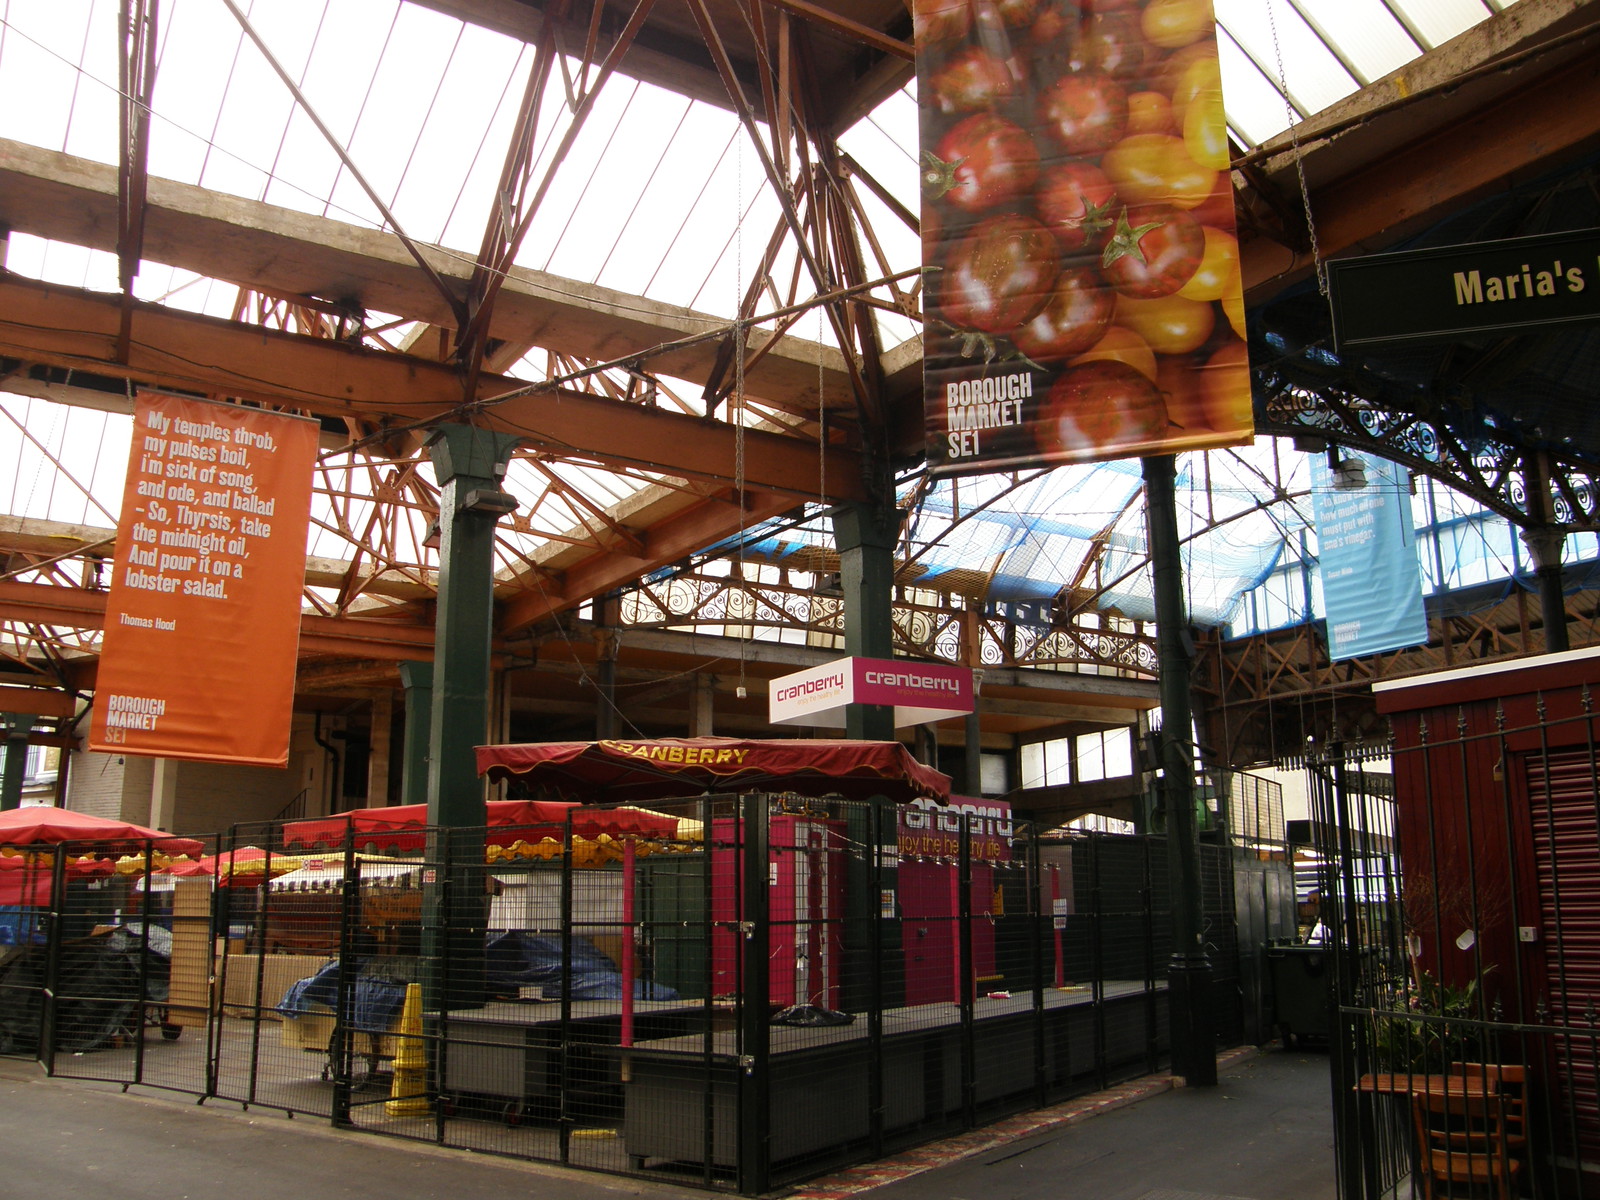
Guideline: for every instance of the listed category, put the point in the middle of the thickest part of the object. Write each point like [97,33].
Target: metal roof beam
[283,252]
[69,328]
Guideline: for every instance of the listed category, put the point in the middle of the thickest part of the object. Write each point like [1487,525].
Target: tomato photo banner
[1081,290]
[203,617]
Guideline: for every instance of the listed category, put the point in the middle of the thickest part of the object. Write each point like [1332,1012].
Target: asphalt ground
[1263,1133]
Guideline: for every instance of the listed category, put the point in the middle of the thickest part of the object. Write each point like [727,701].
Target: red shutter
[1566,845]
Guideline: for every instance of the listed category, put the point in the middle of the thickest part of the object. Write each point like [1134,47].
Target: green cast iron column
[1544,547]
[865,535]
[14,727]
[469,463]
[417,679]
[1188,969]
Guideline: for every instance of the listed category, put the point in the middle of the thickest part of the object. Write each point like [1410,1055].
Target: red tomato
[1077,202]
[1084,114]
[1155,168]
[1179,382]
[982,162]
[1154,250]
[939,20]
[1110,42]
[1099,409]
[1010,12]
[971,80]
[1072,319]
[1053,27]
[999,275]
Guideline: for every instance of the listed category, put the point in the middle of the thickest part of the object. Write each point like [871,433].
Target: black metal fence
[1462,905]
[737,992]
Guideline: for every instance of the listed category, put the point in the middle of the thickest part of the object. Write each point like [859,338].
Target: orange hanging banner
[203,619]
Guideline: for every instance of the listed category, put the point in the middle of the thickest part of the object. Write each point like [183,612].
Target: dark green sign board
[1448,292]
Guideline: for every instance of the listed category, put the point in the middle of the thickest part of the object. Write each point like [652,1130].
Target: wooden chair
[1511,1081]
[1461,1140]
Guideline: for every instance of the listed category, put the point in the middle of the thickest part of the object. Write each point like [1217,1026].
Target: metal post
[972,771]
[875,876]
[607,719]
[15,727]
[755,925]
[1544,547]
[1188,969]
[1344,945]
[866,535]
[417,678]
[966,997]
[470,463]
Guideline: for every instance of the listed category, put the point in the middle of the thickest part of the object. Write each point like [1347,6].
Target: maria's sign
[1448,292]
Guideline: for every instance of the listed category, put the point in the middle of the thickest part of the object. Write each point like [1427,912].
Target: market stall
[402,828]
[808,855]
[618,771]
[111,971]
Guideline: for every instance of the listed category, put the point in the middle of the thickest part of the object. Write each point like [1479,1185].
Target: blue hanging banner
[1371,583]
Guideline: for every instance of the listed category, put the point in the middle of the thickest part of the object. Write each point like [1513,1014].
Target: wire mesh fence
[736,992]
[1460,905]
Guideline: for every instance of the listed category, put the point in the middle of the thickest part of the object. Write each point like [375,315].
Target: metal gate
[752,991]
[1463,904]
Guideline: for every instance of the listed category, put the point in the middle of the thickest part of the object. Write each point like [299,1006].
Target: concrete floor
[1264,1133]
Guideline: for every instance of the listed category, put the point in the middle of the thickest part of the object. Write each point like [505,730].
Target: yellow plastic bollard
[408,1093]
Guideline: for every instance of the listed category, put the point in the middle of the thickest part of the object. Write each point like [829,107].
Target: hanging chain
[1299,164]
[822,416]
[738,404]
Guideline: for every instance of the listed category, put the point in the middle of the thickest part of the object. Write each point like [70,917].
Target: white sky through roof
[660,197]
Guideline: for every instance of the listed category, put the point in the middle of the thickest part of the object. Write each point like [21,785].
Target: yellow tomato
[1169,325]
[1189,73]
[1149,112]
[1205,131]
[1122,345]
[1155,168]
[1219,265]
[1233,301]
[1174,23]
[1225,389]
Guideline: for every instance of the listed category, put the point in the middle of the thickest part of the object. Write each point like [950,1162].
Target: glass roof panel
[1364,35]
[1306,44]
[1254,99]
[1437,21]
[660,196]
[1289,52]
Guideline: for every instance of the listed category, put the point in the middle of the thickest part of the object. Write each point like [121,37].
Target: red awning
[43,824]
[27,879]
[401,826]
[244,866]
[617,771]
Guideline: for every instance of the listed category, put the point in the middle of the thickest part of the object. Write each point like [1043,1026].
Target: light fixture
[1349,474]
[489,500]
